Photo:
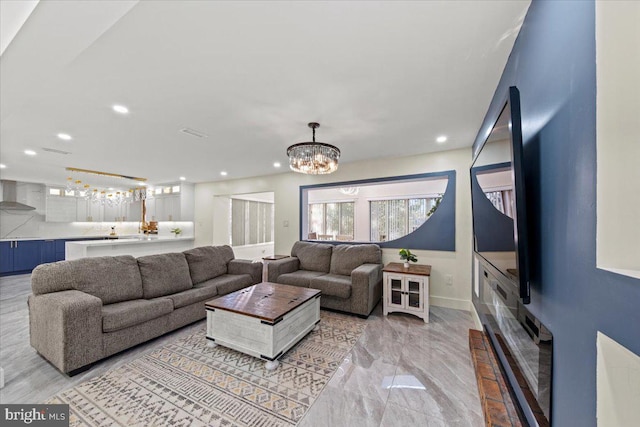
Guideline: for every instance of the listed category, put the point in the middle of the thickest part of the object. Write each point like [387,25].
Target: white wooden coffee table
[263,320]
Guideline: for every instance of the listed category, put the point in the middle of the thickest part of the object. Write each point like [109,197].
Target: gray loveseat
[349,276]
[87,309]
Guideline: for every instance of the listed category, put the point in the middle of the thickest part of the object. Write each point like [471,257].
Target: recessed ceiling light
[276,165]
[120,109]
[182,178]
[441,139]
[144,184]
[2,166]
[29,152]
[223,173]
[64,136]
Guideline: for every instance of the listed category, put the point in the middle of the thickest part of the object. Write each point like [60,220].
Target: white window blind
[251,222]
[334,219]
[392,219]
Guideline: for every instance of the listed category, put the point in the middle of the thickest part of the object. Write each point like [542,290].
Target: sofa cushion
[164,274]
[228,283]
[334,285]
[110,278]
[124,314]
[300,278]
[52,277]
[346,258]
[208,262]
[313,256]
[191,296]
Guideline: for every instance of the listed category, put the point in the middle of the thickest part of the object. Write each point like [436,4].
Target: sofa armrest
[282,266]
[366,288]
[66,328]
[245,266]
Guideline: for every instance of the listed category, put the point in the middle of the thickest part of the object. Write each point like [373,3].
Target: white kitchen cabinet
[164,208]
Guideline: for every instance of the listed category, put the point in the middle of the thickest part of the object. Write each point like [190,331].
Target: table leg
[271,365]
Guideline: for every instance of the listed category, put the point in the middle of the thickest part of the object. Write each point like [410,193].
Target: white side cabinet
[406,290]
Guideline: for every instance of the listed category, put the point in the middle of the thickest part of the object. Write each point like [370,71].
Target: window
[502,200]
[392,219]
[330,220]
[251,222]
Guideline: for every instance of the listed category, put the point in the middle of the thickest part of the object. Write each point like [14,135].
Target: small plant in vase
[406,256]
[176,231]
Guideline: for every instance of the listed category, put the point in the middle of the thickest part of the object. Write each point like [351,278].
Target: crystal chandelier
[101,191]
[313,158]
[349,191]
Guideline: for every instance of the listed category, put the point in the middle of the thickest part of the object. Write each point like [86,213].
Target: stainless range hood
[9,198]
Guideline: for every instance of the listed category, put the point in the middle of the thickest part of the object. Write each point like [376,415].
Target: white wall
[286,188]
[618,384]
[618,136]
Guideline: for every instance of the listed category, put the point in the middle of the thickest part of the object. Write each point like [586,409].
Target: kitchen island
[136,246]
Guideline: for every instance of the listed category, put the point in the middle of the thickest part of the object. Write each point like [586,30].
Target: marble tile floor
[401,372]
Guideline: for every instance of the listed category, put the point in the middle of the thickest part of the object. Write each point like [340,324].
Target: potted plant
[176,231]
[406,256]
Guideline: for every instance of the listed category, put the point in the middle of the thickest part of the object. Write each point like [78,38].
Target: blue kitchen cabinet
[48,251]
[6,257]
[59,244]
[27,254]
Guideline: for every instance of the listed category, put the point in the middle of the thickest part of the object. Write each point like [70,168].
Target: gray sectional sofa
[349,276]
[87,309]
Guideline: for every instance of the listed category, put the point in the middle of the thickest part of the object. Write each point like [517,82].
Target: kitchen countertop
[128,241]
[13,239]
[99,236]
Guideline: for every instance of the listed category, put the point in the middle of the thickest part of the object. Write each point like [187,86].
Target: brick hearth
[498,407]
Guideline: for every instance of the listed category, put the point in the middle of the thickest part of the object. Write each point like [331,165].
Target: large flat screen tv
[498,199]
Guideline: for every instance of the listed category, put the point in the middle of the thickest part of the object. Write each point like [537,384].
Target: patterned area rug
[187,383]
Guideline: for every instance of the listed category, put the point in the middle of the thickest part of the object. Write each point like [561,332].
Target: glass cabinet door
[414,293]
[395,290]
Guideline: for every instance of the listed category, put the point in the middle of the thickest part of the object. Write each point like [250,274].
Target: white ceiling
[384,79]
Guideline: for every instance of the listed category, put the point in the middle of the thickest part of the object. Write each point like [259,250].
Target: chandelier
[313,158]
[349,191]
[105,189]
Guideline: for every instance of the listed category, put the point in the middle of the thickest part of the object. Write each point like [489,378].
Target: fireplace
[523,345]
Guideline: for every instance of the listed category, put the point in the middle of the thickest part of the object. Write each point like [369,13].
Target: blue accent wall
[553,64]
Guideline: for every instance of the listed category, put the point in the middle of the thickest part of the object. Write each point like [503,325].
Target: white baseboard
[458,304]
[476,318]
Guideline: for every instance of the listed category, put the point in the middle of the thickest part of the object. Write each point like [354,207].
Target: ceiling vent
[53,150]
[193,132]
